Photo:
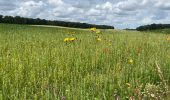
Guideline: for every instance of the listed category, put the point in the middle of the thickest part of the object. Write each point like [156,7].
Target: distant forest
[152,27]
[38,21]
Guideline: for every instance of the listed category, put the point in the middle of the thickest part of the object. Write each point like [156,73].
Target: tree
[152,27]
[38,21]
[1,17]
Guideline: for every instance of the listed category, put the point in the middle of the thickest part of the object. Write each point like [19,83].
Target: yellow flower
[72,39]
[93,29]
[98,32]
[69,39]
[131,61]
[99,39]
[168,39]
[66,40]
[73,32]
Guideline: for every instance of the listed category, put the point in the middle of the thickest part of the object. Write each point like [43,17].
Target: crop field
[50,63]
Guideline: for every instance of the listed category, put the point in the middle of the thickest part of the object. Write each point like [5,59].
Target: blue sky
[118,13]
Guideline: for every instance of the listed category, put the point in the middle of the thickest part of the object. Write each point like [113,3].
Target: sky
[118,13]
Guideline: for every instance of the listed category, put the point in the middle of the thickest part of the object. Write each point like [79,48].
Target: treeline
[152,27]
[38,21]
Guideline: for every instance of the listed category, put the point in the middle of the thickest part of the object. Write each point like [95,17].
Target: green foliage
[152,27]
[38,21]
[36,63]
[161,31]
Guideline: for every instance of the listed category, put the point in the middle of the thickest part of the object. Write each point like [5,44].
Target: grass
[36,63]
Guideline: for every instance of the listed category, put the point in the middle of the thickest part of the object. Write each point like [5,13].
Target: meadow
[48,63]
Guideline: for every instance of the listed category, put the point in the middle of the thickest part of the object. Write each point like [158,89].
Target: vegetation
[153,27]
[161,31]
[68,64]
[38,21]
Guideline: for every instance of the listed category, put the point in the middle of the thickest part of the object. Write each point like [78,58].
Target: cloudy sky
[118,13]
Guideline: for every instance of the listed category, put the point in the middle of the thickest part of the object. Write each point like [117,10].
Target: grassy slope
[35,63]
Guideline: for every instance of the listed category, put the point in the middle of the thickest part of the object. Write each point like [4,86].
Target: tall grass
[35,63]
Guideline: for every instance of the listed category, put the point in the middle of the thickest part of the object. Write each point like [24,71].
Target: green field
[36,64]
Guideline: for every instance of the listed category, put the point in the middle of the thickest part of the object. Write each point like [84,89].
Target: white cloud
[163,4]
[30,8]
[56,2]
[120,13]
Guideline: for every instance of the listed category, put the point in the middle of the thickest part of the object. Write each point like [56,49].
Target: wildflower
[136,90]
[69,32]
[105,50]
[99,39]
[73,32]
[152,95]
[93,29]
[168,39]
[66,40]
[98,32]
[138,50]
[72,39]
[131,61]
[69,39]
